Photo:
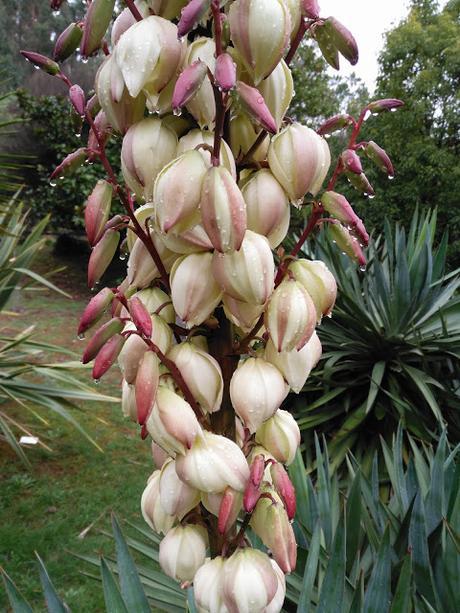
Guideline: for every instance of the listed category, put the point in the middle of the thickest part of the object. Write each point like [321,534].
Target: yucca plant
[391,350]
[365,544]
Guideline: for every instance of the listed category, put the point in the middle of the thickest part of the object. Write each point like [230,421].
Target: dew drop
[84,60]
[177,112]
[81,337]
[391,177]
[53,183]
[371,196]
[96,381]
[362,268]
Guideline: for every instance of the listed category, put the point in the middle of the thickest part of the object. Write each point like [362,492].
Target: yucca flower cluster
[214,323]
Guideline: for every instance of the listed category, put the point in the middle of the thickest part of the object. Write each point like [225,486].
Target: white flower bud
[159,456]
[191,240]
[240,313]
[243,135]
[142,269]
[207,586]
[152,511]
[128,401]
[202,106]
[277,90]
[280,435]
[193,138]
[153,298]
[176,497]
[319,283]
[276,604]
[183,551]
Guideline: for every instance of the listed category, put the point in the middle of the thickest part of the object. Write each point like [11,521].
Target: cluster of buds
[214,325]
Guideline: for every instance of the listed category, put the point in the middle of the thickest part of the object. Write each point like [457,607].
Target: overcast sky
[368,20]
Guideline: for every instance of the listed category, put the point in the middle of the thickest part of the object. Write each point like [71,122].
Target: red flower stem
[134,10]
[218,96]
[305,25]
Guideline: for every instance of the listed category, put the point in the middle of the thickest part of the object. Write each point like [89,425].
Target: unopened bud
[254,104]
[42,62]
[319,282]
[97,211]
[188,83]
[343,40]
[277,90]
[351,161]
[193,138]
[77,98]
[67,42]
[386,104]
[284,488]
[242,314]
[70,164]
[177,498]
[280,435]
[310,8]
[339,207]
[97,20]
[191,15]
[95,309]
[140,316]
[380,157]
[225,73]
[207,585]
[152,509]
[153,298]
[101,256]
[361,183]
[159,456]
[107,356]
[147,381]
[347,243]
[183,551]
[338,122]
[252,490]
[128,401]
[203,106]
[229,508]
[329,51]
[141,267]
[102,335]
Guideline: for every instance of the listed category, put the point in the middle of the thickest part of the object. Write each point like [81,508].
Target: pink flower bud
[249,581]
[361,183]
[247,274]
[267,207]
[177,192]
[172,424]
[260,32]
[176,497]
[107,355]
[70,163]
[152,509]
[207,585]
[194,293]
[102,127]
[42,62]
[77,98]
[147,147]
[310,8]
[223,210]
[290,317]
[299,160]
[343,40]
[271,523]
[213,463]
[284,488]
[319,283]
[153,298]
[254,104]
[257,389]
[193,138]
[201,373]
[67,42]
[338,122]
[387,104]
[242,314]
[191,15]
[97,211]
[101,256]
[140,316]
[95,309]
[229,509]
[188,83]
[97,20]
[278,90]
[147,380]
[295,366]
[351,161]
[280,435]
[339,207]
[380,157]
[101,336]
[252,491]
[347,243]
[225,74]
[202,106]
[183,551]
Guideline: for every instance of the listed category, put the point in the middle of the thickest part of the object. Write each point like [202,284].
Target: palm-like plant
[392,347]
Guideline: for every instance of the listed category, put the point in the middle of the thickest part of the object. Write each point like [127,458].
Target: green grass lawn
[45,509]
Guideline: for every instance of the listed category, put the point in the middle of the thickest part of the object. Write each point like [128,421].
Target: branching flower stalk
[209,334]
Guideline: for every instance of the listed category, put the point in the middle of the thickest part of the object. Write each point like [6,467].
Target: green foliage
[391,348]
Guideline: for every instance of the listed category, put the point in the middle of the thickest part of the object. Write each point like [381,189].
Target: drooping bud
[202,374]
[310,8]
[147,147]
[380,157]
[247,274]
[97,211]
[191,15]
[95,309]
[141,266]
[254,104]
[240,313]
[188,83]
[299,160]
[271,523]
[338,122]
[276,604]
[295,366]
[351,161]
[319,282]
[252,491]
[188,241]
[267,207]
[202,106]
[97,20]
[249,581]
[183,551]
[339,207]
[194,292]
[257,389]
[213,463]
[223,210]
[126,19]
[386,104]
[323,36]
[140,316]
[347,243]
[147,381]
[101,256]
[154,298]
[243,136]
[229,509]
[77,98]
[152,510]
[107,356]
[260,32]
[70,164]
[207,585]
[277,90]
[102,335]
[176,497]
[42,62]
[128,401]
[193,138]
[290,317]
[172,424]
[67,42]
[343,40]
[225,74]
[361,183]
[159,456]
[280,435]
[101,126]
[284,488]
[177,192]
